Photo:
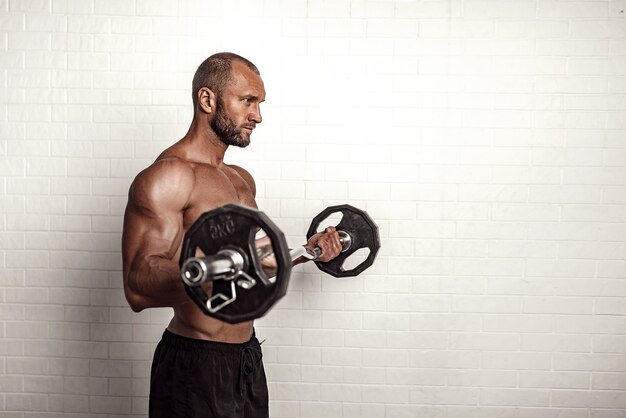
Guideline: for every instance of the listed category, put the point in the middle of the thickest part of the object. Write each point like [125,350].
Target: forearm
[154,282]
[299,260]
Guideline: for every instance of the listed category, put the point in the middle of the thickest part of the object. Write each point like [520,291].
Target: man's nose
[255,114]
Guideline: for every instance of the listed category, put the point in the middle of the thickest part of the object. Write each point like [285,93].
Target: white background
[487,139]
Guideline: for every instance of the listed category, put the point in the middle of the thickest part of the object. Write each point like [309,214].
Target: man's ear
[206,100]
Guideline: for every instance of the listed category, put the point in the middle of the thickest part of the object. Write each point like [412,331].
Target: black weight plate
[363,231]
[235,226]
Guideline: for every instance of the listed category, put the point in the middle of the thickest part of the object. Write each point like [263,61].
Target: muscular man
[202,367]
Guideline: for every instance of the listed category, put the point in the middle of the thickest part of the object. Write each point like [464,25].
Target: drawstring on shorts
[250,358]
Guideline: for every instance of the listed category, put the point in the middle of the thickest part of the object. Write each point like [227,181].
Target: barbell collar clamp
[226,264]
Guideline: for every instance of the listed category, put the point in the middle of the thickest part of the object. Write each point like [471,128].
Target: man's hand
[328,241]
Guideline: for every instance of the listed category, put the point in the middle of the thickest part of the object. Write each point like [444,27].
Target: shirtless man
[202,367]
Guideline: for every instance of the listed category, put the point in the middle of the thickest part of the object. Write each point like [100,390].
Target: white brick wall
[486,137]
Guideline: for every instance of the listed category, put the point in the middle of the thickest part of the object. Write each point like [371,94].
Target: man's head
[216,72]
[229,89]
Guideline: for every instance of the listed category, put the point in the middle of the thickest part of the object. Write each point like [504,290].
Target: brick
[300,391]
[285,408]
[371,375]
[591,324]
[526,249]
[538,28]
[571,84]
[416,10]
[433,395]
[113,79]
[574,9]
[88,24]
[303,319]
[282,8]
[13,22]
[86,350]
[516,361]
[391,28]
[543,268]
[519,323]
[329,9]
[131,25]
[26,402]
[403,411]
[35,365]
[341,320]
[488,230]
[115,7]
[46,23]
[386,393]
[16,95]
[482,378]
[339,393]
[284,373]
[110,404]
[483,304]
[30,41]
[520,397]
[608,381]
[575,399]
[565,194]
[609,344]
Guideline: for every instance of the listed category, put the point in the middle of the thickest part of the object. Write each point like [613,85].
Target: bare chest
[217,187]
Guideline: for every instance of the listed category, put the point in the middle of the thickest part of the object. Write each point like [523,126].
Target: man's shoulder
[166,178]
[166,168]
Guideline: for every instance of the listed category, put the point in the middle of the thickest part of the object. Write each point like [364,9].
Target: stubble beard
[226,130]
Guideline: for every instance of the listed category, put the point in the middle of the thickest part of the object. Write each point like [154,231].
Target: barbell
[222,246]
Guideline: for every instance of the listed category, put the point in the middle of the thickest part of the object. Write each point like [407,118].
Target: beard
[225,128]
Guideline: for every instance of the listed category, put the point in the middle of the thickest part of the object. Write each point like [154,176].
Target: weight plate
[363,232]
[235,226]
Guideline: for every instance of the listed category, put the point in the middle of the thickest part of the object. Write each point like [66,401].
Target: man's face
[226,129]
[237,109]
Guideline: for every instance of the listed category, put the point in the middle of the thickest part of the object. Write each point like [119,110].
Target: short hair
[215,73]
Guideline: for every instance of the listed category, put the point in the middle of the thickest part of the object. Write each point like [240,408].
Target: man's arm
[327,241]
[152,235]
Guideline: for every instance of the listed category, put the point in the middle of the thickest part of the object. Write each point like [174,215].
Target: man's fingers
[329,243]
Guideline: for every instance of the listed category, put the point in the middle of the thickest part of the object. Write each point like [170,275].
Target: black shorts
[195,378]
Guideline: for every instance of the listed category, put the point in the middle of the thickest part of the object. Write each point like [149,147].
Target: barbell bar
[234,260]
